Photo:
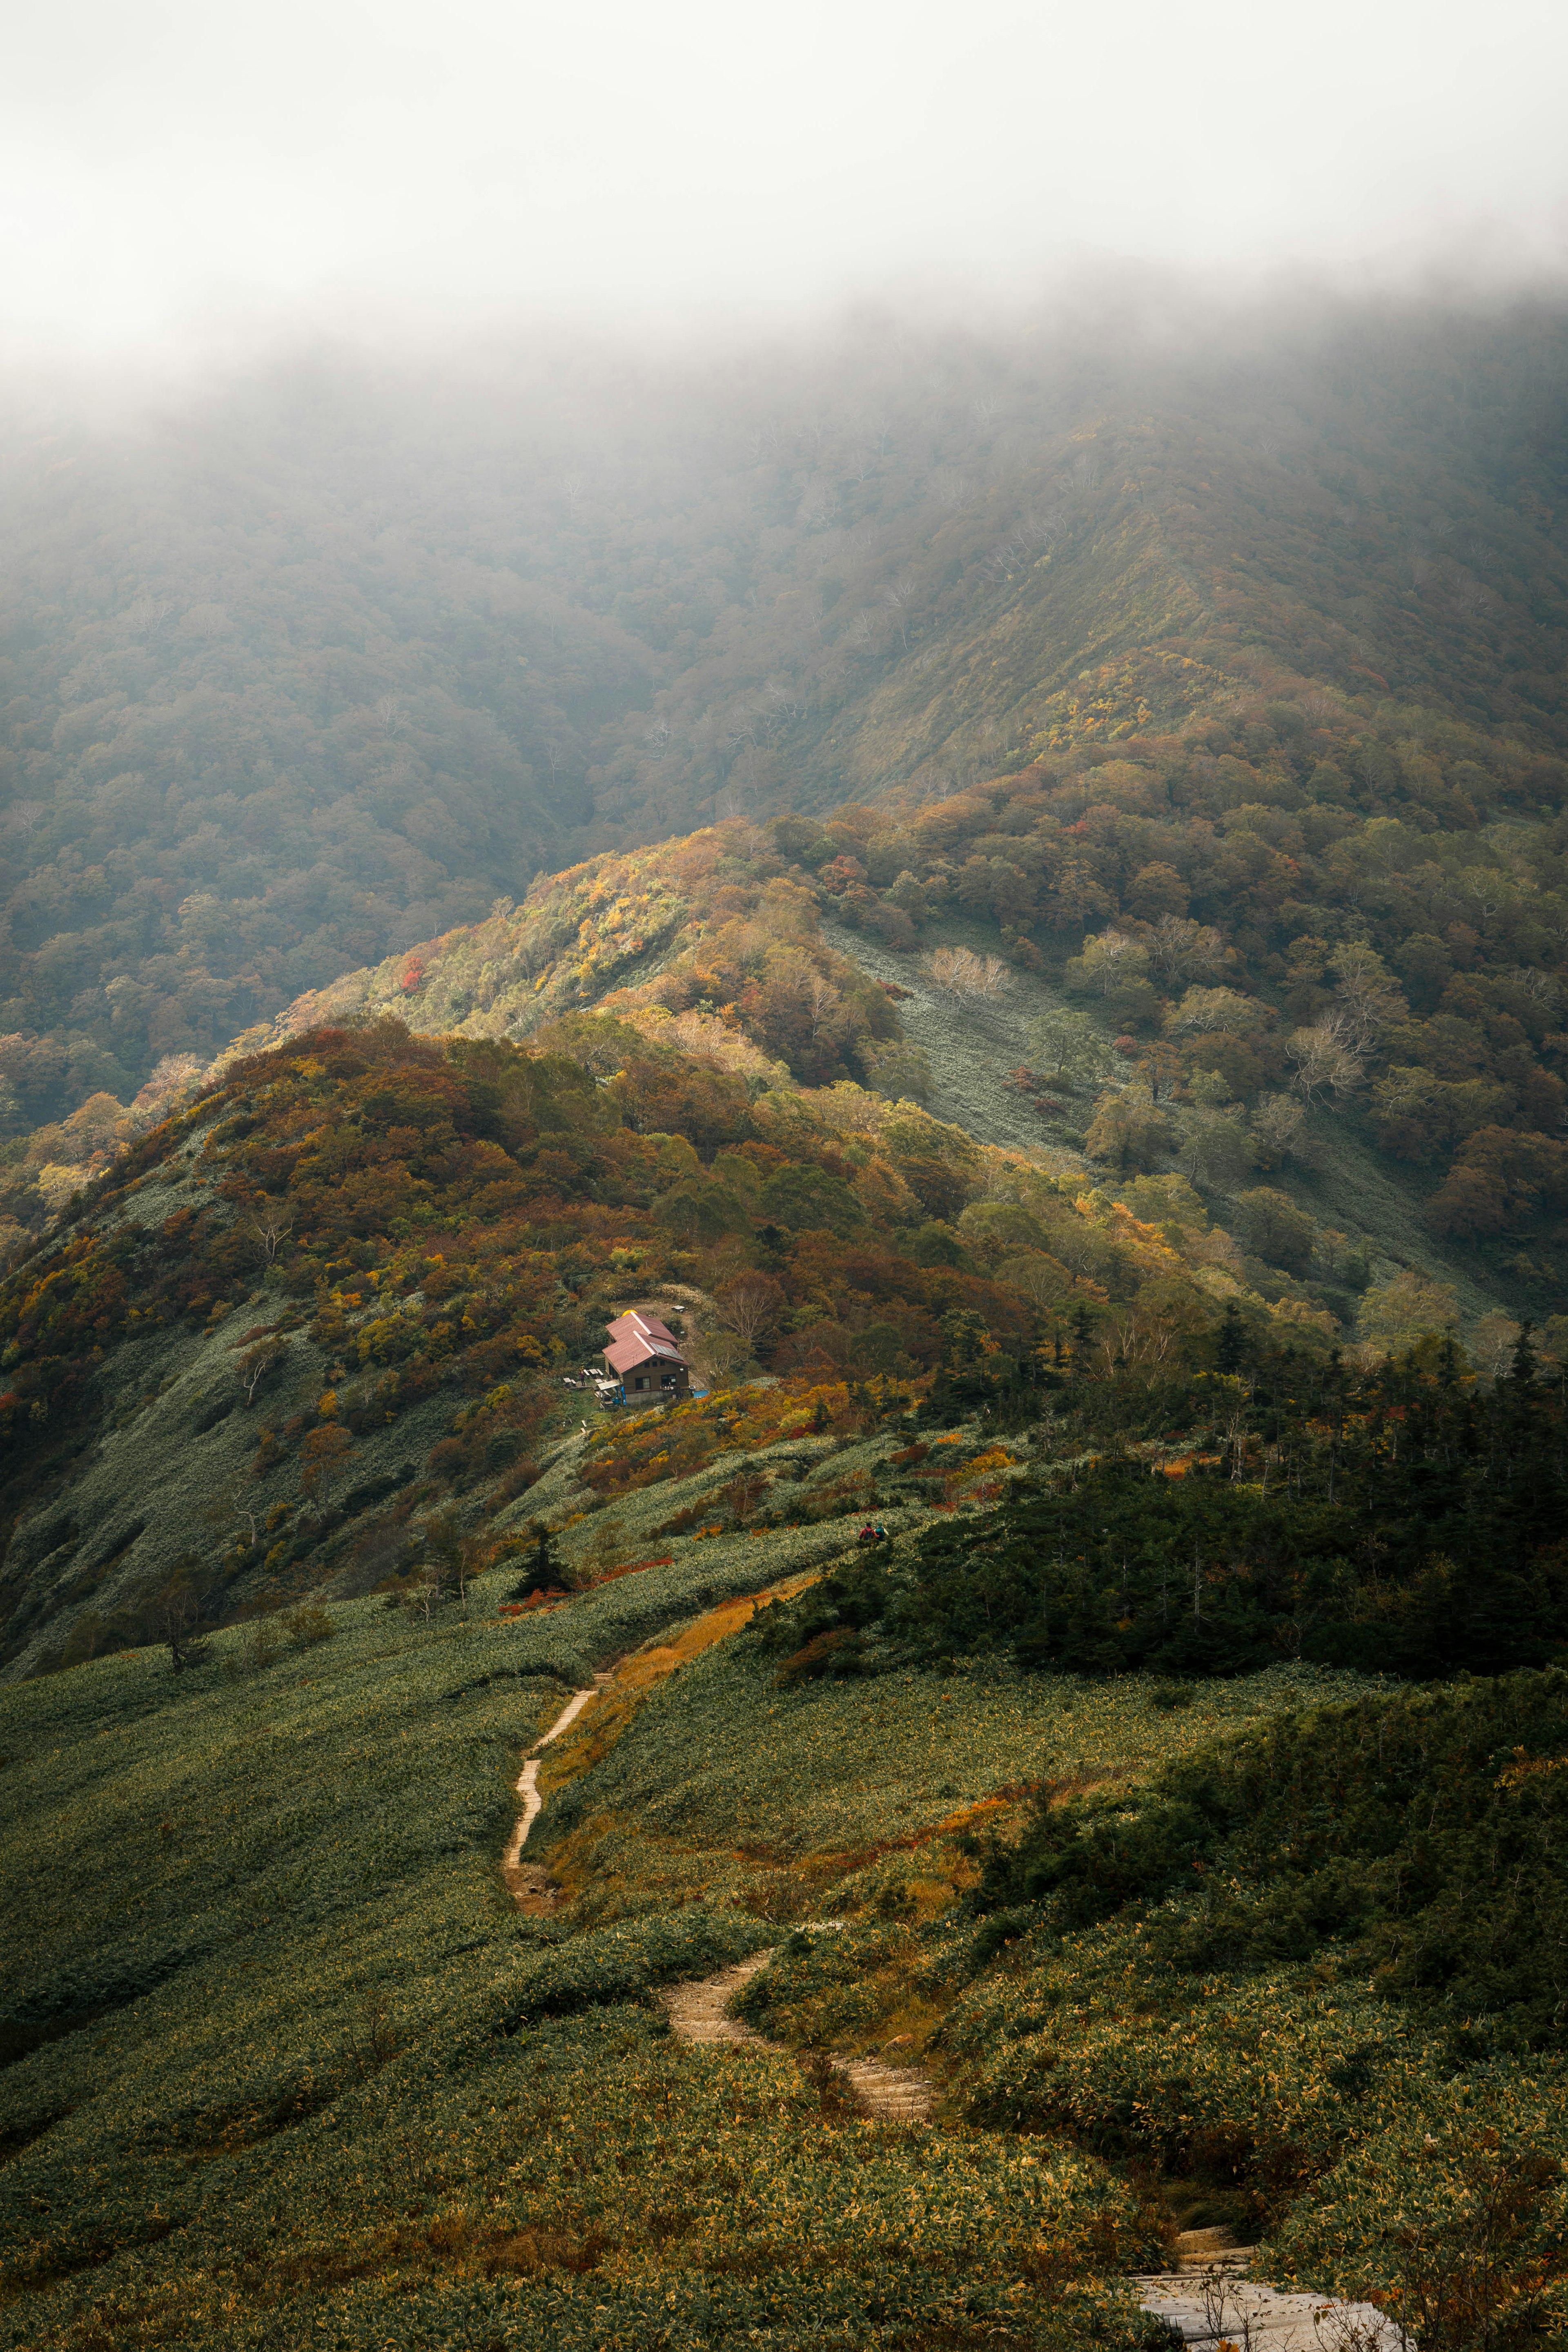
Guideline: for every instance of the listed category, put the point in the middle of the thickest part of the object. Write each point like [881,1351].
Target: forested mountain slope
[1309,957]
[312,1332]
[294,677]
[1019,898]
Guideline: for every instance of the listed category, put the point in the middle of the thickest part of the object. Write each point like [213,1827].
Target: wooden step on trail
[892,2095]
[698,2011]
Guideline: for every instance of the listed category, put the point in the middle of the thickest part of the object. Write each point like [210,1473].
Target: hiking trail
[527,1883]
[699,2012]
[1207,2297]
[1211,2302]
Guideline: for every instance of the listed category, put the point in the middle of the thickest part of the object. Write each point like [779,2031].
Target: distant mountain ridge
[1313,898]
[315,671]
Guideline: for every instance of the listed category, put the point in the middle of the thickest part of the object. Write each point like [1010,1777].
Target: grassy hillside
[284,2060]
[313,1330]
[1115,1161]
[863,1799]
[1301,1981]
[313,1333]
[359,2099]
[1367,2052]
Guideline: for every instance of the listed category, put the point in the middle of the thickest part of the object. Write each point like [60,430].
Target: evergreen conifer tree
[544,1572]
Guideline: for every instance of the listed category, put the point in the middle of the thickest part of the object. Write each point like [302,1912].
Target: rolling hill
[313,1331]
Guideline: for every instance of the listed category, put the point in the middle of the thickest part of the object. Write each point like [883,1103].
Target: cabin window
[639,1382]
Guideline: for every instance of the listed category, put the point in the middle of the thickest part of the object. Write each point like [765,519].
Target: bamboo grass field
[298,2071]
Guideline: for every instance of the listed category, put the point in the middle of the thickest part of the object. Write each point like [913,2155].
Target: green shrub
[1415,1835]
[307,1623]
[1186,1568]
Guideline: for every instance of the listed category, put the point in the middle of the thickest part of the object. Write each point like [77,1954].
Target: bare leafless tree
[1039,1278]
[1366,998]
[226,1507]
[257,1363]
[951,490]
[271,1221]
[750,1306]
[1181,948]
[1537,984]
[1326,1061]
[178,1614]
[899,595]
[822,1002]
[959,972]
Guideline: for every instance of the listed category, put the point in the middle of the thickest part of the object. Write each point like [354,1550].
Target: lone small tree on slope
[543,1572]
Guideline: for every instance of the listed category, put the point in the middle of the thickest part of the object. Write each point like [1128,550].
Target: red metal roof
[639,1340]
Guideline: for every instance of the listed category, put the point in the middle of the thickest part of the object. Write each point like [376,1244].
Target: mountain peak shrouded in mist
[313,668]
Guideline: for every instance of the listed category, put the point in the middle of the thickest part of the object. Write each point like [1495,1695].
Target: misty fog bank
[162,171]
[1099,312]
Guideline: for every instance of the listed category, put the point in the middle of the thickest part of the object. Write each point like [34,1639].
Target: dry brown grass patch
[600,1726]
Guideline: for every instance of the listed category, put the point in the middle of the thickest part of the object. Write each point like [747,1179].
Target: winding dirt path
[527,1883]
[1209,2298]
[698,2009]
[699,2012]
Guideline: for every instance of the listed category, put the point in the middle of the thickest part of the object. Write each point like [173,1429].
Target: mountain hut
[644,1357]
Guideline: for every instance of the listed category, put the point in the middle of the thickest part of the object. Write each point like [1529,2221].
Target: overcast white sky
[175,165]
